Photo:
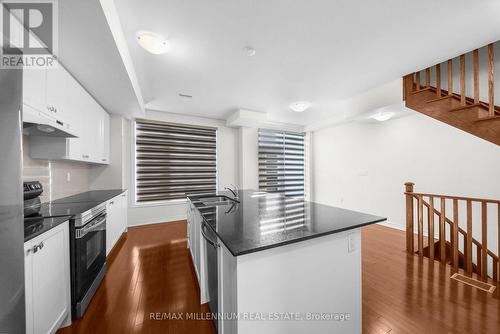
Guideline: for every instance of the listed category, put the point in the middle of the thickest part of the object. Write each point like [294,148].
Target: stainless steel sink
[216,200]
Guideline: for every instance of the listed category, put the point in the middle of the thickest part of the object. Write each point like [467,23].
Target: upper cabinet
[55,95]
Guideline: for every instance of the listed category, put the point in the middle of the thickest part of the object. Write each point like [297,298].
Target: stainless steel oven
[88,249]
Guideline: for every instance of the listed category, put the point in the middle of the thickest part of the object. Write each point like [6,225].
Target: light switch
[351,243]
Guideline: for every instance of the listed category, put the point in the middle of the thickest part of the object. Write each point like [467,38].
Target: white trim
[159,220]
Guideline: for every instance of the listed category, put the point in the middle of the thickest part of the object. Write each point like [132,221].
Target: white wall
[53,175]
[249,157]
[227,170]
[363,166]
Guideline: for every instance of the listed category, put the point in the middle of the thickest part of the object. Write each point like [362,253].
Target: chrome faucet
[234,191]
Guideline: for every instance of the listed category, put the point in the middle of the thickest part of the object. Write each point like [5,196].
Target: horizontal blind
[173,160]
[281,162]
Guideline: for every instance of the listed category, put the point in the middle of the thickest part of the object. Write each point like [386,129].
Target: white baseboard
[392,224]
[157,220]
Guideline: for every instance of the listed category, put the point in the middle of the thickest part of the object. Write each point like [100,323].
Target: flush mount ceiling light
[300,106]
[152,42]
[382,116]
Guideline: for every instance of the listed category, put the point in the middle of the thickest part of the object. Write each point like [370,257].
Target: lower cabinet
[116,220]
[196,244]
[47,280]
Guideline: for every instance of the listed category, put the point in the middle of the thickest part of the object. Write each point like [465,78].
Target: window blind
[173,160]
[281,162]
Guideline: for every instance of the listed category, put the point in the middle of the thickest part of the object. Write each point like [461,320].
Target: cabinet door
[50,287]
[111,222]
[57,93]
[28,286]
[123,213]
[34,86]
[102,148]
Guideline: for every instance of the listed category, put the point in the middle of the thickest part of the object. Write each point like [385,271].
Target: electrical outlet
[68,177]
[351,243]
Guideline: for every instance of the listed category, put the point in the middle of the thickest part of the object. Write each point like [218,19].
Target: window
[281,162]
[173,160]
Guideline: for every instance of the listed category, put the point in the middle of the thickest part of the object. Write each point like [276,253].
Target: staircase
[452,106]
[440,238]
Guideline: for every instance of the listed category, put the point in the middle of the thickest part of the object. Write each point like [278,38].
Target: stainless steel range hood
[36,123]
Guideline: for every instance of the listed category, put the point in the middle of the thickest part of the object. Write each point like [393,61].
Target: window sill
[159,203]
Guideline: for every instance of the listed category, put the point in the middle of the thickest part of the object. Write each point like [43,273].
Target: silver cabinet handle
[112,202]
[212,243]
[36,248]
[104,159]
[85,156]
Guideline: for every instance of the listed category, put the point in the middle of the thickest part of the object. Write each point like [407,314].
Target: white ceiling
[89,51]
[316,50]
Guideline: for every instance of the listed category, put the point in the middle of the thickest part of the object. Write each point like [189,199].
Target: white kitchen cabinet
[116,220]
[55,95]
[34,87]
[47,280]
[197,244]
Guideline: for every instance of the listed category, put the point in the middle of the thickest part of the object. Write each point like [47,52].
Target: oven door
[89,254]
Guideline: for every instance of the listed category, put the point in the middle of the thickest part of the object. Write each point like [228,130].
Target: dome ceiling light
[152,42]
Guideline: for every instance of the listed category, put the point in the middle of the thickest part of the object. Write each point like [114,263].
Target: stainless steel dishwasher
[211,247]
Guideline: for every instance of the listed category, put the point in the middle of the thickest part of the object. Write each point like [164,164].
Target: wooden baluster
[450,85]
[468,241]
[491,81]
[427,77]
[475,60]
[498,252]
[420,226]
[442,230]
[417,79]
[438,80]
[495,270]
[409,217]
[450,77]
[462,80]
[484,241]
[430,220]
[455,235]
[479,260]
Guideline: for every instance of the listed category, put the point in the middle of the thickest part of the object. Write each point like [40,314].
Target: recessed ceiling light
[152,42]
[249,51]
[300,106]
[382,116]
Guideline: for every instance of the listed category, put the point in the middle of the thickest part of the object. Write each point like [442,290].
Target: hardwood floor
[151,272]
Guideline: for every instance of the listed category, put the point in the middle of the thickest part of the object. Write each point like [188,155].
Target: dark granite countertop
[264,220]
[36,226]
[58,211]
[90,196]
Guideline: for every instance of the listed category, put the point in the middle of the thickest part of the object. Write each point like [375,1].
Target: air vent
[186,96]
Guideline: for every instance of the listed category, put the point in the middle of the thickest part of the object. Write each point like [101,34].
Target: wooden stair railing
[423,92]
[415,205]
[465,101]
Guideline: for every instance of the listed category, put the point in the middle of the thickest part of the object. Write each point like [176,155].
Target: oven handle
[80,233]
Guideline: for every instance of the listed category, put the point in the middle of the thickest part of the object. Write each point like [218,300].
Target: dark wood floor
[150,271]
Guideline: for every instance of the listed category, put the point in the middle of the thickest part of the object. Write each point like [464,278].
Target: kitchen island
[267,263]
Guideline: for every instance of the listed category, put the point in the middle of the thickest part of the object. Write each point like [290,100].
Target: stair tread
[466,120]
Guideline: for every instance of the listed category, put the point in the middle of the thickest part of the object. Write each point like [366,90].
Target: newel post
[409,217]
